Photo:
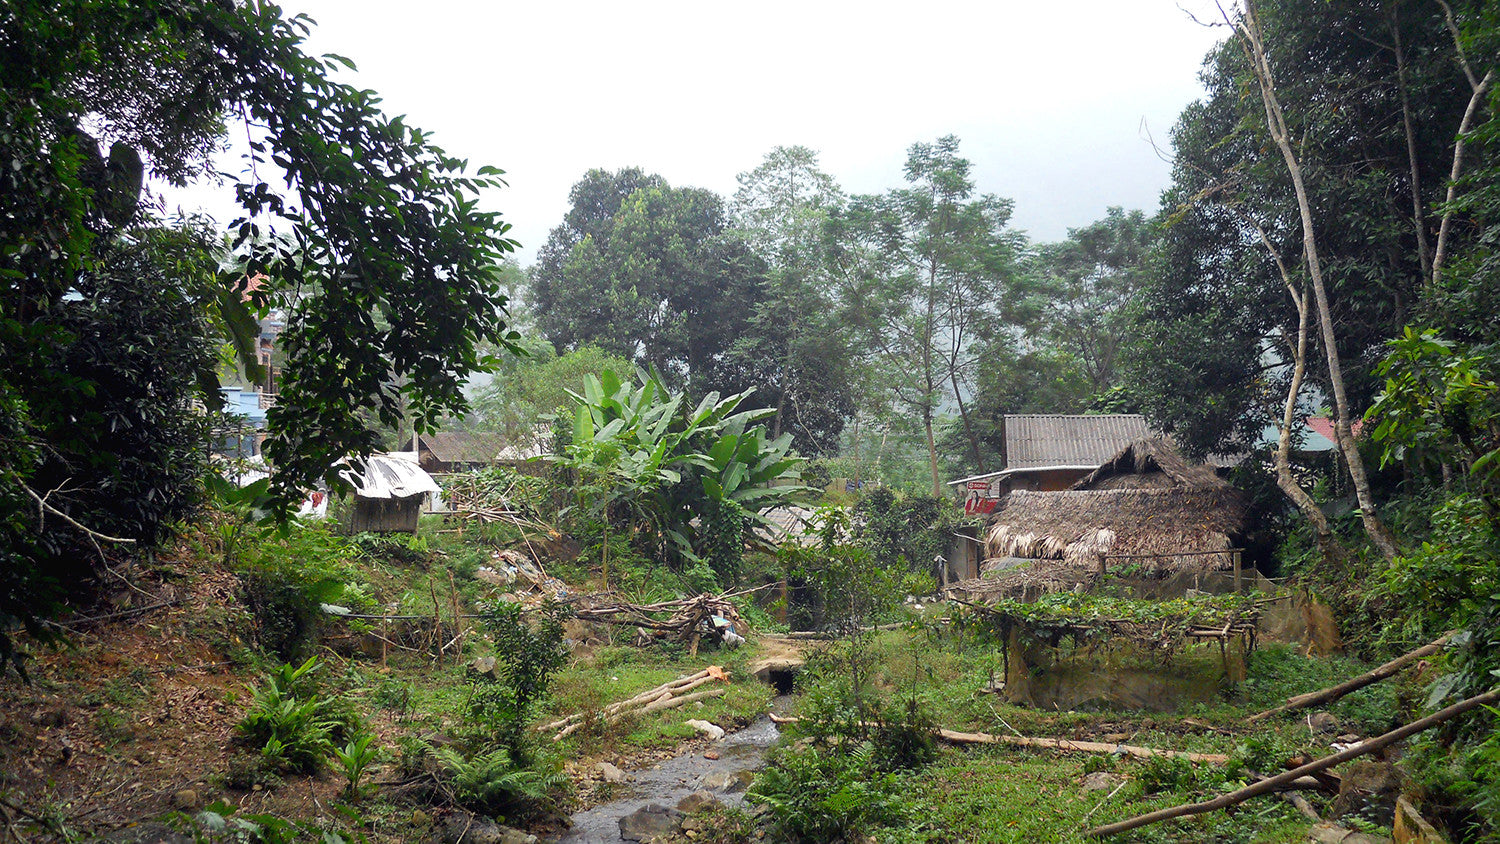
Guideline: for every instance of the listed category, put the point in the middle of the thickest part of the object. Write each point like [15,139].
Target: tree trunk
[1418,214]
[1379,535]
[1328,544]
[937,479]
[963,413]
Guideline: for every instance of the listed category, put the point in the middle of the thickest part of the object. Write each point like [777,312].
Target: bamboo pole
[1373,676]
[1277,782]
[1068,745]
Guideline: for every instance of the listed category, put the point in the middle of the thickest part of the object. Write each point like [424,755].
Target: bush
[820,795]
[291,726]
[527,656]
[493,783]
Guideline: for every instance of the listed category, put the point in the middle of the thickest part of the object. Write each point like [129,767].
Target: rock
[1323,722]
[711,755]
[1366,838]
[1369,788]
[696,802]
[713,731]
[186,800]
[420,819]
[1100,781]
[54,714]
[483,665]
[463,828]
[1327,833]
[652,822]
[718,781]
[691,825]
[610,773]
[516,836]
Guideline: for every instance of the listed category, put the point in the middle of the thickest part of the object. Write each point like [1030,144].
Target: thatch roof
[1039,440]
[1152,464]
[1083,525]
[463,446]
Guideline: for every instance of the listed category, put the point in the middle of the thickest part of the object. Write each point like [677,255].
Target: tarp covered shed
[388,492]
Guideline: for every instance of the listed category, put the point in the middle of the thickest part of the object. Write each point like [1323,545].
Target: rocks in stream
[652,822]
[713,731]
[610,773]
[696,802]
[463,828]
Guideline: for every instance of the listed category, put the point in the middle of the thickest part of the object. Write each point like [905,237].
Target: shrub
[820,795]
[492,782]
[353,758]
[527,656]
[291,725]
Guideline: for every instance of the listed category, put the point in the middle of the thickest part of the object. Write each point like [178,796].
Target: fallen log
[1079,746]
[673,686]
[1277,782]
[662,702]
[957,737]
[1373,676]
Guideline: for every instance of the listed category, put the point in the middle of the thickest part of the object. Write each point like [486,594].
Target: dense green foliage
[372,241]
[688,482]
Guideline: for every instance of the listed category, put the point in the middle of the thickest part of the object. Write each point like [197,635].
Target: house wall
[386,515]
[1048,480]
[964,554]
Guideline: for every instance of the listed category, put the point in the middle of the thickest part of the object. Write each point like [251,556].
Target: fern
[492,782]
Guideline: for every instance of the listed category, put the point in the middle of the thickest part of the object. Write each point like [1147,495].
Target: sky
[1053,102]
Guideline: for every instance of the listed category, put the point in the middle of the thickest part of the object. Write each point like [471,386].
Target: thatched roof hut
[1147,502]
[1152,464]
[1080,526]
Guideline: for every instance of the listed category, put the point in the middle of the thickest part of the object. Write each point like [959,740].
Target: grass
[1003,796]
[999,794]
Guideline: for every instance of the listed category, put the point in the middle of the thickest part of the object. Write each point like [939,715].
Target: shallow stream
[670,781]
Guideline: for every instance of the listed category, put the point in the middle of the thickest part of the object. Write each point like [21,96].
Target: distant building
[1050,452]
[445,452]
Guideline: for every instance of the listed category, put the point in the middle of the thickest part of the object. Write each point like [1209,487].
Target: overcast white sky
[1051,100]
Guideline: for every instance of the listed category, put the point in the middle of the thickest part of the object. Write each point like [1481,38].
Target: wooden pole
[1374,676]
[1279,781]
[1234,559]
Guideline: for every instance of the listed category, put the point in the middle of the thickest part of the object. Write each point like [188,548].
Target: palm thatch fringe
[1082,526]
[1152,464]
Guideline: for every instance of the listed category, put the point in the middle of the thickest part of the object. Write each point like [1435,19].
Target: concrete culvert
[780,672]
[784,679]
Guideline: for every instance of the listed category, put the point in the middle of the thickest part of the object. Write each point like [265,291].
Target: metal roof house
[389,490]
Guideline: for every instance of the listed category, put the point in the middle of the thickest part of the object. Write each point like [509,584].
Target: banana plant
[641,455]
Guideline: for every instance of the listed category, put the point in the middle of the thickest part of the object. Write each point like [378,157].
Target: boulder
[1100,781]
[186,800]
[1324,722]
[696,802]
[652,822]
[1369,788]
[610,773]
[713,731]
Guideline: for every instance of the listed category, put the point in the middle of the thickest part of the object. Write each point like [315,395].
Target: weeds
[354,758]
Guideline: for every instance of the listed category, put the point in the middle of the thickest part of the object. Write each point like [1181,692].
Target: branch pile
[685,620]
[666,696]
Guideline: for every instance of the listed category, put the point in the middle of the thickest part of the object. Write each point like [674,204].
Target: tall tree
[934,260]
[368,234]
[797,350]
[1249,31]
[648,272]
[1088,284]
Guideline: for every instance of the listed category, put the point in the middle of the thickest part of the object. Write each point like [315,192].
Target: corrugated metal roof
[394,475]
[1034,441]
